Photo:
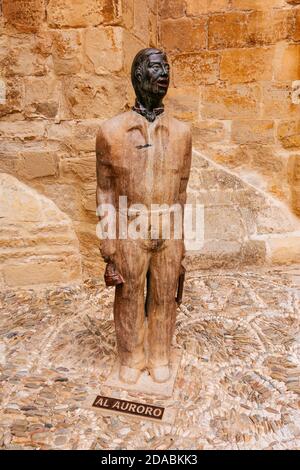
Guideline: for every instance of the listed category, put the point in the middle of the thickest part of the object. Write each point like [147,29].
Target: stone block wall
[236,72]
[295,182]
[38,244]
[65,65]
[235,76]
[242,224]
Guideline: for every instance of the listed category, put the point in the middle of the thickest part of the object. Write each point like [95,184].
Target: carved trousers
[134,259]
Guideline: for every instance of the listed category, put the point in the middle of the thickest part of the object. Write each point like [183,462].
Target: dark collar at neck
[149,115]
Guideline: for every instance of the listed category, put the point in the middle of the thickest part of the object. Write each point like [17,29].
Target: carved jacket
[149,162]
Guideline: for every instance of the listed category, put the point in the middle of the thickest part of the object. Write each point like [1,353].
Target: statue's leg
[165,267]
[129,310]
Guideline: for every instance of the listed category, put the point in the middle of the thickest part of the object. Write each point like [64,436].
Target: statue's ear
[138,73]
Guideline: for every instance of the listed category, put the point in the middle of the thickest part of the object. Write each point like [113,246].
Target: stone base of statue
[145,383]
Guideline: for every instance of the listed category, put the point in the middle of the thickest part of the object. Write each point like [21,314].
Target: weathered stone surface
[269,26]
[231,156]
[234,211]
[29,159]
[66,52]
[275,219]
[141,21]
[293,2]
[37,164]
[196,69]
[264,158]
[153,29]
[240,29]
[14,97]
[252,131]
[232,101]
[227,30]
[196,7]
[171,8]
[38,243]
[64,195]
[296,168]
[293,169]
[103,48]
[153,6]
[25,55]
[257,4]
[184,35]
[42,271]
[94,97]
[132,45]
[208,132]
[296,199]
[83,168]
[24,130]
[4,46]
[128,13]
[223,223]
[295,95]
[42,97]
[114,10]
[24,15]
[253,253]
[182,103]
[288,133]
[211,179]
[284,250]
[89,248]
[296,33]
[89,197]
[57,133]
[216,254]
[247,65]
[74,13]
[277,101]
[8,158]
[287,66]
[76,137]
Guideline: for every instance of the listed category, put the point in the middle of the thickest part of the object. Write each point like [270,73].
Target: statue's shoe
[160,374]
[129,375]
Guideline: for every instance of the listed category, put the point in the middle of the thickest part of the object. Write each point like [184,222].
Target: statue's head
[150,74]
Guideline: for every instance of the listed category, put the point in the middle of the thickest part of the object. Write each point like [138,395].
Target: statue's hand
[112,277]
[107,250]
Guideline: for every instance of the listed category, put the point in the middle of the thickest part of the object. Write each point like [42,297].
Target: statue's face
[156,77]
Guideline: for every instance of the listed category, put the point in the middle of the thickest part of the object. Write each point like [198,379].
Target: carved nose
[164,72]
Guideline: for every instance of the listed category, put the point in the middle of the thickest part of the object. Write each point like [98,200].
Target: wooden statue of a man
[145,155]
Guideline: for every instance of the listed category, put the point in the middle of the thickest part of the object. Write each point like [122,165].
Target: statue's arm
[105,193]
[185,175]
[186,169]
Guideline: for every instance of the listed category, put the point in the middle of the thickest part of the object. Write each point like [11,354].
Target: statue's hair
[138,63]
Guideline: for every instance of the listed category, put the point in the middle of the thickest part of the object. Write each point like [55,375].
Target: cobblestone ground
[238,386]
